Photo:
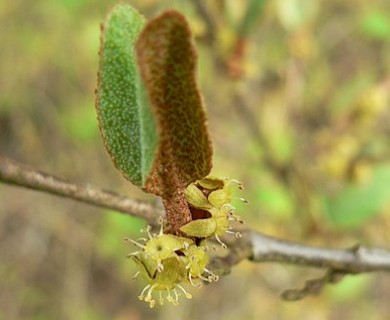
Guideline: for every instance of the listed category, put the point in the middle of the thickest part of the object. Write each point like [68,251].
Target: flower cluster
[167,261]
[213,196]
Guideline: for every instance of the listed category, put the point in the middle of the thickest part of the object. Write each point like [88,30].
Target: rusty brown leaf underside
[167,61]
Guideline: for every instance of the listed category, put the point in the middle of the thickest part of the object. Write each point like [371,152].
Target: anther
[187,295]
[224,246]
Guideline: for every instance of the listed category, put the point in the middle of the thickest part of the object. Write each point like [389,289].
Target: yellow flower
[213,195]
[167,261]
[166,282]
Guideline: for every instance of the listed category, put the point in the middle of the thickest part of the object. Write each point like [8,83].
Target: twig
[253,245]
[314,286]
[210,23]
[354,260]
[19,175]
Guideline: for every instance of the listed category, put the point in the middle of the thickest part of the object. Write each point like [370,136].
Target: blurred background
[297,93]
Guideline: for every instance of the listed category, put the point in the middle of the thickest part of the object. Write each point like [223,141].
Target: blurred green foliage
[376,24]
[356,203]
[298,110]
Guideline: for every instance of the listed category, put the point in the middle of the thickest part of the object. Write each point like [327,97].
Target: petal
[218,198]
[196,197]
[202,228]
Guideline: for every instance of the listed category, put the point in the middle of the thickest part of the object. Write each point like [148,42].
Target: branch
[253,245]
[211,27]
[354,260]
[22,176]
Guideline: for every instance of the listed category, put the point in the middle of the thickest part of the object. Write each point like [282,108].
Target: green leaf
[167,61]
[357,203]
[125,119]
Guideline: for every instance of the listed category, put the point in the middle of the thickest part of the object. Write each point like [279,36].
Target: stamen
[176,301]
[208,279]
[149,297]
[136,253]
[224,246]
[187,295]
[229,206]
[148,229]
[136,275]
[161,299]
[136,243]
[242,199]
[213,275]
[238,235]
[239,183]
[235,217]
[142,295]
[161,230]
[169,298]
[198,285]
[152,303]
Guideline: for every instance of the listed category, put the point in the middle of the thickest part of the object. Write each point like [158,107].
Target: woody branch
[254,245]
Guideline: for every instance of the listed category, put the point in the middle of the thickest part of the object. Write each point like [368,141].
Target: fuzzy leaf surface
[125,119]
[167,61]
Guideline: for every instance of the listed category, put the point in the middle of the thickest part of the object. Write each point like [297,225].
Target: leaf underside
[125,119]
[167,61]
[150,111]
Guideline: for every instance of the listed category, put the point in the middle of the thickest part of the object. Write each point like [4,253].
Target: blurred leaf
[125,121]
[355,204]
[376,24]
[167,60]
